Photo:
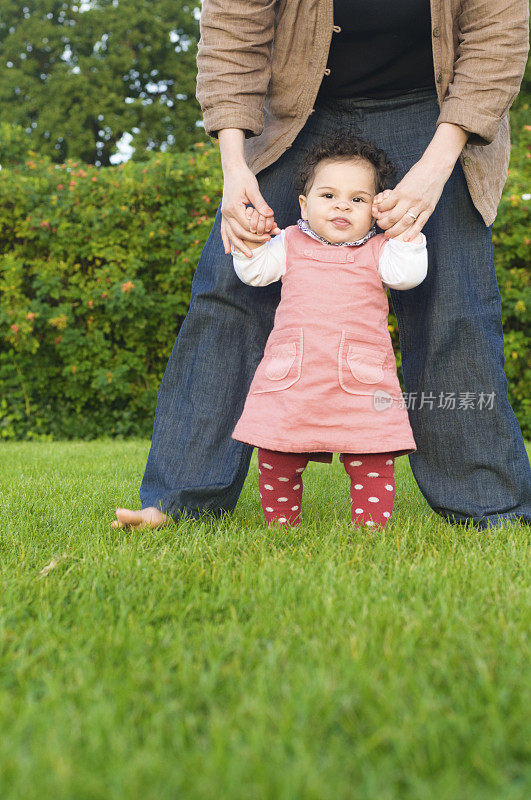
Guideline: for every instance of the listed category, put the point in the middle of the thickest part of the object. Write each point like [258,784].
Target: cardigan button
[327,71]
[466,160]
[436,32]
[439,77]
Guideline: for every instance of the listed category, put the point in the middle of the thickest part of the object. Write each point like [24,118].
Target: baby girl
[327,381]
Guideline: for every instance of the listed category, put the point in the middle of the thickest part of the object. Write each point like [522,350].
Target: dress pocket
[360,362]
[281,365]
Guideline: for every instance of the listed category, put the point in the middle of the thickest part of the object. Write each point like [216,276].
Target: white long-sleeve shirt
[402,265]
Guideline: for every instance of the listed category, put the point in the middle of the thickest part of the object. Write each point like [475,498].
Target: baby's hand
[379,198]
[260,224]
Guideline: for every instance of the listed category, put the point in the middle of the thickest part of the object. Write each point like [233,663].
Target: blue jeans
[471,464]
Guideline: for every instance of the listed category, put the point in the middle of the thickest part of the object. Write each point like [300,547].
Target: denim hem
[191,513]
[227,494]
[486,520]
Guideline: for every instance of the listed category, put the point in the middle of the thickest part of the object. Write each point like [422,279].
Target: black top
[383,49]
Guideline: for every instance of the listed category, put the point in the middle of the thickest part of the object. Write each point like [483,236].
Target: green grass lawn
[223,660]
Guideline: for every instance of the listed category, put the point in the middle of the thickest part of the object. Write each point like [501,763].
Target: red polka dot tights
[372,486]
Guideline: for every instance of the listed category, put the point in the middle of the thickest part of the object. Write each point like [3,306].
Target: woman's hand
[419,192]
[420,188]
[238,223]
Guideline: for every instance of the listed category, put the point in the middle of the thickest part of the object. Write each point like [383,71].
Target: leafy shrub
[511,236]
[13,144]
[96,268]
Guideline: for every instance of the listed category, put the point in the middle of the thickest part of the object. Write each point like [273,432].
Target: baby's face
[338,205]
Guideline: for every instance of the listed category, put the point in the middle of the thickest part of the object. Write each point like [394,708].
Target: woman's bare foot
[149,517]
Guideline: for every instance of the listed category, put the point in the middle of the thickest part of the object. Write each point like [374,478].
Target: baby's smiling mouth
[340,221]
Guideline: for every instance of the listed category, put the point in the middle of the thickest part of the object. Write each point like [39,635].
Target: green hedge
[96,268]
[95,280]
[511,236]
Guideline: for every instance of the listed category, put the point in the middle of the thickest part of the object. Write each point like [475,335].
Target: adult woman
[264,91]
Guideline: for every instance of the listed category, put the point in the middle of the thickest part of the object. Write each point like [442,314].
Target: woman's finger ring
[412,215]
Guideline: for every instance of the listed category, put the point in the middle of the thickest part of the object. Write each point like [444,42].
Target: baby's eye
[329,194]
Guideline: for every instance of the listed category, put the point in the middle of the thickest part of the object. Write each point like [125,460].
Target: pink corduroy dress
[327,382]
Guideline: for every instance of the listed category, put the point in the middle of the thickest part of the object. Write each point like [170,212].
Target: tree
[79,76]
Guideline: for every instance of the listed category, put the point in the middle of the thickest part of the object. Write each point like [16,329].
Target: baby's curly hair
[342,147]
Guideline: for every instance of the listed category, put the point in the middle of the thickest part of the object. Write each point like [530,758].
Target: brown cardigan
[260,64]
